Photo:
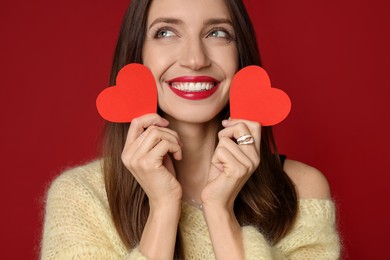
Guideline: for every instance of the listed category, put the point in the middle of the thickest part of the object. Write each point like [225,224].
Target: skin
[173,157]
[188,47]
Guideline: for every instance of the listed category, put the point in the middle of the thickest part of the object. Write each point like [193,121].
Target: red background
[331,57]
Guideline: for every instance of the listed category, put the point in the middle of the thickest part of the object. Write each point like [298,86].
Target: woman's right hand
[146,156]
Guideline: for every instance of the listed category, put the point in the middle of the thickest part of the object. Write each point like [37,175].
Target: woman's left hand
[232,163]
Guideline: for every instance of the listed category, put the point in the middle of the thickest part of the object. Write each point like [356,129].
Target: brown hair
[268,199]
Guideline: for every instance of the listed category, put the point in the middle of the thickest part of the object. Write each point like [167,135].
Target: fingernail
[225,122]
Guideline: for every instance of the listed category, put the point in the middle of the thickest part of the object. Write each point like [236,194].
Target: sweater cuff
[255,244]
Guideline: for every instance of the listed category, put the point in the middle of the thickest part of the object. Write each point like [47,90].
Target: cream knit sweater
[78,225]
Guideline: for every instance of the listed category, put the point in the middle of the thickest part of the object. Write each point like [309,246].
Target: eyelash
[229,35]
[159,30]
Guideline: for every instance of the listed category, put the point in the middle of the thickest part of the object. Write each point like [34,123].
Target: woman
[188,182]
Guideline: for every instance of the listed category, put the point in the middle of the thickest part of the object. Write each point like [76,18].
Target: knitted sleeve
[78,223]
[313,236]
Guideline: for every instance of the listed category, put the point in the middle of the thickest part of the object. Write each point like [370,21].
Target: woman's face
[191,50]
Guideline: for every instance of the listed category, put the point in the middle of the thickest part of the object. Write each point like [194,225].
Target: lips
[194,87]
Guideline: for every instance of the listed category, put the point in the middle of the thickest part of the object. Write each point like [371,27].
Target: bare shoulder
[309,182]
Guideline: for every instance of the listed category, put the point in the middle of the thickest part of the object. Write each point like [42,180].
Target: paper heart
[135,94]
[252,98]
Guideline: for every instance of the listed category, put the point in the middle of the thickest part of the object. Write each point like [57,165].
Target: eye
[220,34]
[164,33]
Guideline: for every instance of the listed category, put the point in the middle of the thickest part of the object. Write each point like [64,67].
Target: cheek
[147,57]
[228,60]
[234,61]
[156,59]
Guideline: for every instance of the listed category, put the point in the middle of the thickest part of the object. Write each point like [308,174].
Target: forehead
[188,9]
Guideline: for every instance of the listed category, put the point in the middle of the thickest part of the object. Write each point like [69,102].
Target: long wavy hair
[267,201]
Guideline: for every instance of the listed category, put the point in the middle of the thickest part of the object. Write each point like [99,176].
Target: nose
[194,55]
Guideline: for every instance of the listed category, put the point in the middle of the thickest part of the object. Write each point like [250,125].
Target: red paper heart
[134,95]
[252,98]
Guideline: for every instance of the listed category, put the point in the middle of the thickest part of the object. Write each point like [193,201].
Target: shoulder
[79,179]
[87,172]
[77,217]
[309,182]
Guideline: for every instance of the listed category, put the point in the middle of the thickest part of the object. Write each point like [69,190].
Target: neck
[198,148]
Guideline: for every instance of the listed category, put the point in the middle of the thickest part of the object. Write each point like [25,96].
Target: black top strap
[282,158]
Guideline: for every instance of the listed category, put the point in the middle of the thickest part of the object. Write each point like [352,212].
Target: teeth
[192,86]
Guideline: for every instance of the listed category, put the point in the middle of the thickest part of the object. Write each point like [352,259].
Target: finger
[239,130]
[169,132]
[146,148]
[232,167]
[163,147]
[232,121]
[154,135]
[244,127]
[139,124]
[247,155]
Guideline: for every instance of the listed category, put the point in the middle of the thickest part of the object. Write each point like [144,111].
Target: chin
[195,116]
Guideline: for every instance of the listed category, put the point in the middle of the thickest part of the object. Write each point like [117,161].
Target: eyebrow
[209,22]
[215,21]
[166,20]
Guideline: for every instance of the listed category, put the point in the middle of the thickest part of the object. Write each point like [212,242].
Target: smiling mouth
[193,86]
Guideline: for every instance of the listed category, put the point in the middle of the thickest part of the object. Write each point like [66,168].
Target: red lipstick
[193,87]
